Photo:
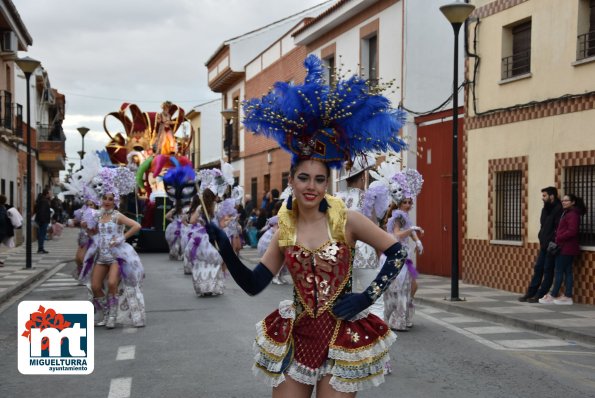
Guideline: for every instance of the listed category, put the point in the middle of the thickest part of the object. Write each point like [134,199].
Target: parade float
[149,144]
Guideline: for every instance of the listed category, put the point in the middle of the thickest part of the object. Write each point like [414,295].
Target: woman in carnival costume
[398,299]
[80,186]
[110,256]
[372,203]
[208,277]
[180,187]
[188,230]
[325,336]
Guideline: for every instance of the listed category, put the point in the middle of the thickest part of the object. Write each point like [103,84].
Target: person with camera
[543,272]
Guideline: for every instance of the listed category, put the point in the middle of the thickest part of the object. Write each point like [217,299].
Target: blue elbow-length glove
[251,281]
[353,303]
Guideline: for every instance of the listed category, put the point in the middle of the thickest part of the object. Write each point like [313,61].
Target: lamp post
[228,114]
[83,131]
[456,13]
[28,66]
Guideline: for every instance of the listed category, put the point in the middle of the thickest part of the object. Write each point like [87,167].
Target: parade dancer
[326,337]
[365,260]
[110,256]
[206,263]
[180,186]
[398,299]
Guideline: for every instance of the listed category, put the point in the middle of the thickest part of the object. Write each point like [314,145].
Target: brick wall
[288,68]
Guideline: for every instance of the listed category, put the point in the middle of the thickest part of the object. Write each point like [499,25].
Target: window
[18,127]
[580,181]
[284,180]
[3,187]
[254,190]
[517,42]
[586,27]
[330,73]
[369,58]
[11,198]
[508,205]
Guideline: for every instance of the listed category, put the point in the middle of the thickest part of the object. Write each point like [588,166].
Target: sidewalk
[572,322]
[14,277]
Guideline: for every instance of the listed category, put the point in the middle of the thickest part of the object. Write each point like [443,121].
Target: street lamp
[228,114]
[456,13]
[28,66]
[83,131]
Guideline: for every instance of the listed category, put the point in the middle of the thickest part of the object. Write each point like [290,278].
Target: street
[202,347]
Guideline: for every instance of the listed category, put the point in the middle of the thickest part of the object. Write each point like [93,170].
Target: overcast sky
[102,53]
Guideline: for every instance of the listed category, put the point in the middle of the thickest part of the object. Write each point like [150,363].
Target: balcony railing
[585,45]
[46,132]
[517,64]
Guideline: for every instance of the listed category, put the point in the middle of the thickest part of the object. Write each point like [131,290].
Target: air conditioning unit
[9,42]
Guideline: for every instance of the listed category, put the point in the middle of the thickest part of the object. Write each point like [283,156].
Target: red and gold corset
[320,276]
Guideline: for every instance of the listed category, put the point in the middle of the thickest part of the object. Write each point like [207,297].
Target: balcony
[6,114]
[50,147]
[516,65]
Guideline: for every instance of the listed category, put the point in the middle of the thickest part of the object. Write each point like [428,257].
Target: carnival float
[149,144]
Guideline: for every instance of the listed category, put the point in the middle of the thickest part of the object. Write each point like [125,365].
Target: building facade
[529,125]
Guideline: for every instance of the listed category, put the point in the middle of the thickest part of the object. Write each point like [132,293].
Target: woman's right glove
[251,281]
[353,303]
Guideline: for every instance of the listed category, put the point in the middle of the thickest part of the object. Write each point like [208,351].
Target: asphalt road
[202,347]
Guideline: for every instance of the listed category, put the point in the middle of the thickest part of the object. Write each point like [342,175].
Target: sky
[102,53]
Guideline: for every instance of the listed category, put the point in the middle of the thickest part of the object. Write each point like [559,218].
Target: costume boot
[100,304]
[113,312]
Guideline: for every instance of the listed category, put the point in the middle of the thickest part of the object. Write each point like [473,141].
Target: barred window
[580,181]
[518,45]
[508,205]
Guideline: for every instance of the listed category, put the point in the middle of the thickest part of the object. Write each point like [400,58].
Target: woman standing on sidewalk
[567,241]
[326,336]
[110,256]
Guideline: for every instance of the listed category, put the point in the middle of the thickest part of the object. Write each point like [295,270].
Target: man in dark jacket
[42,218]
[543,272]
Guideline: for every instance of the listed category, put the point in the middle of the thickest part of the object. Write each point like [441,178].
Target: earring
[323,206]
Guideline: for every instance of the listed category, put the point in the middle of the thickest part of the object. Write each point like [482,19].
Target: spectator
[567,241]
[42,218]
[6,228]
[543,272]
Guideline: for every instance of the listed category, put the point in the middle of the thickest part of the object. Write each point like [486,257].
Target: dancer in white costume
[398,299]
[365,260]
[110,256]
[180,186]
[207,274]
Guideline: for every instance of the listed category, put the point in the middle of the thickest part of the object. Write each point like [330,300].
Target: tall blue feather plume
[177,176]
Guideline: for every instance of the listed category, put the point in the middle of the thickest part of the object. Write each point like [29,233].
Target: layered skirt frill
[398,302]
[205,264]
[353,352]
[173,236]
[131,302]
[187,239]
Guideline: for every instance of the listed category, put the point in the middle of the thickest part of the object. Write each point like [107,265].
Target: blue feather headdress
[330,124]
[180,183]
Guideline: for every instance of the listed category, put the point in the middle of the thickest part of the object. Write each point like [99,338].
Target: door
[434,204]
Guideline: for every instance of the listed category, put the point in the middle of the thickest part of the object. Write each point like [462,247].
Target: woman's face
[406,204]
[566,202]
[309,183]
[107,201]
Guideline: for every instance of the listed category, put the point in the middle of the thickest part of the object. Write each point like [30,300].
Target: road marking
[120,388]
[492,330]
[533,343]
[129,330]
[125,352]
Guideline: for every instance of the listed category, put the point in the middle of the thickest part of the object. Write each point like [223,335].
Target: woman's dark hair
[578,203]
[194,204]
[393,206]
[209,199]
[294,167]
